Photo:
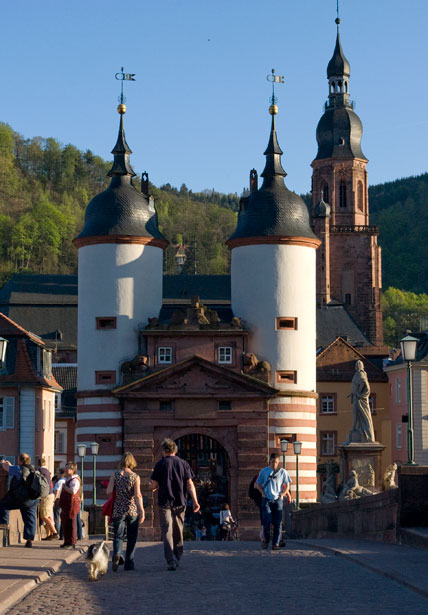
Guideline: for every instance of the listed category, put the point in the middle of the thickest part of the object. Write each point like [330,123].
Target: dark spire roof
[121,152]
[338,65]
[322,209]
[273,154]
[120,210]
[273,210]
[339,130]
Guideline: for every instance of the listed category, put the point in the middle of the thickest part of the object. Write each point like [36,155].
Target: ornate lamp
[408,351]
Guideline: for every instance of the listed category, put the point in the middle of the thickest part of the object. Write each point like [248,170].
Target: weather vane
[274,79]
[123,77]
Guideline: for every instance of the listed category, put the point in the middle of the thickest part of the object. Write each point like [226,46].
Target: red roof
[24,371]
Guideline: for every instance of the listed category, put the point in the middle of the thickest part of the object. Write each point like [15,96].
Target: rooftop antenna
[123,77]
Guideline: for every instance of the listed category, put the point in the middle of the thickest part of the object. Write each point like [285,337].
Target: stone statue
[352,489]
[389,477]
[362,425]
[328,494]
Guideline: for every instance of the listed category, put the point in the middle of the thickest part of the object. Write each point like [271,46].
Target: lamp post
[297,446]
[81,451]
[284,448]
[3,346]
[408,352]
[94,450]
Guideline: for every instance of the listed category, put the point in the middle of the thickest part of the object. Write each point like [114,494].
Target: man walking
[18,497]
[172,477]
[274,484]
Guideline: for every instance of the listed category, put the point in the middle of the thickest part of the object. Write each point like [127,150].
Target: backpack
[31,486]
[253,493]
[37,484]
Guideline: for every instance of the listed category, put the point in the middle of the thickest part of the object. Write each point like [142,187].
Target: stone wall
[413,487]
[372,518]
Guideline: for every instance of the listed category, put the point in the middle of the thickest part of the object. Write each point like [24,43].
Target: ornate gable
[337,363]
[196,378]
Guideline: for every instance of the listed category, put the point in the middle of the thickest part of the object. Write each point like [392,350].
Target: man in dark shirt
[172,477]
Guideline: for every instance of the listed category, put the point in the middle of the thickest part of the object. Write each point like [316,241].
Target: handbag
[107,509]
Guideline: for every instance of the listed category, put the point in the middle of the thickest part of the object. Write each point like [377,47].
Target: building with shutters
[27,395]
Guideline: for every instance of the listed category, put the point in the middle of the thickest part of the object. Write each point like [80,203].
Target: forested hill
[46,186]
[400,209]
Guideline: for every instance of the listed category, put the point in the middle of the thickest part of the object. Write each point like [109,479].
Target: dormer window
[164,354]
[224,355]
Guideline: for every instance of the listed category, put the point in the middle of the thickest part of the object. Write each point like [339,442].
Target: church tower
[273,290]
[120,286]
[349,259]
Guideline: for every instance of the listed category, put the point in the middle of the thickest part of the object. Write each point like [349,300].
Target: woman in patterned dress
[128,511]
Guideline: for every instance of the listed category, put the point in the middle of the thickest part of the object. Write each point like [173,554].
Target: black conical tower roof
[338,65]
[120,211]
[272,210]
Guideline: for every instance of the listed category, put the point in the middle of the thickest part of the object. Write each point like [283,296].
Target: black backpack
[31,486]
[253,493]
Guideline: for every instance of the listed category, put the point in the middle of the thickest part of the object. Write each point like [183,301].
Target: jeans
[79,526]
[131,524]
[28,511]
[57,520]
[272,515]
[171,524]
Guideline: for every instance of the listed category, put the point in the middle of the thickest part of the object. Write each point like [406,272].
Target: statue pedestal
[365,459]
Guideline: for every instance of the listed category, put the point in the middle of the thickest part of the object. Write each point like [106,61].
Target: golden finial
[273,109]
[121,108]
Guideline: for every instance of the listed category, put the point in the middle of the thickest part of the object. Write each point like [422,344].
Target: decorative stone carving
[329,493]
[389,477]
[253,367]
[352,489]
[136,368]
[362,424]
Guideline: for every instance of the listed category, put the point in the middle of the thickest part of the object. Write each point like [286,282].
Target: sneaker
[172,565]
[115,563]
[28,544]
[264,544]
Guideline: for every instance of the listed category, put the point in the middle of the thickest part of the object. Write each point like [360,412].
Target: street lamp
[408,352]
[81,451]
[297,446]
[94,450]
[284,448]
[3,346]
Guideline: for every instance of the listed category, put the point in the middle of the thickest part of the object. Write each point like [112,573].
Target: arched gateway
[226,444]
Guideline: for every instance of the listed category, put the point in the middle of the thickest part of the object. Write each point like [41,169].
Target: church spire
[273,152]
[338,73]
[121,151]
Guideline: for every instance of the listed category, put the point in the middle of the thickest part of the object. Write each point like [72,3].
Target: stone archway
[224,437]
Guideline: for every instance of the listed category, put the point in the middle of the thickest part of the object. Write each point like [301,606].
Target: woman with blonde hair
[128,511]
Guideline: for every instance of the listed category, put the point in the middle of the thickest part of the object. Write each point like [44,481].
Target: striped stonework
[295,418]
[99,419]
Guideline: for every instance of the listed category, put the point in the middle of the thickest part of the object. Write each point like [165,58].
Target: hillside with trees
[45,187]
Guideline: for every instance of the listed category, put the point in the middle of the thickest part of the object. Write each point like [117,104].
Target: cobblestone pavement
[236,577]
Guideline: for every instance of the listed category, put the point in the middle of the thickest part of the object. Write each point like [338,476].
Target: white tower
[273,290]
[120,286]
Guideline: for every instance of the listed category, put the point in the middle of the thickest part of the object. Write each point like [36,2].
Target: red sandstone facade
[349,260]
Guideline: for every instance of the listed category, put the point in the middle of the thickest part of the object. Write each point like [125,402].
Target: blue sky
[198,112]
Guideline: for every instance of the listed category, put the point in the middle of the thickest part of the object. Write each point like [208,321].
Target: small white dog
[97,558]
